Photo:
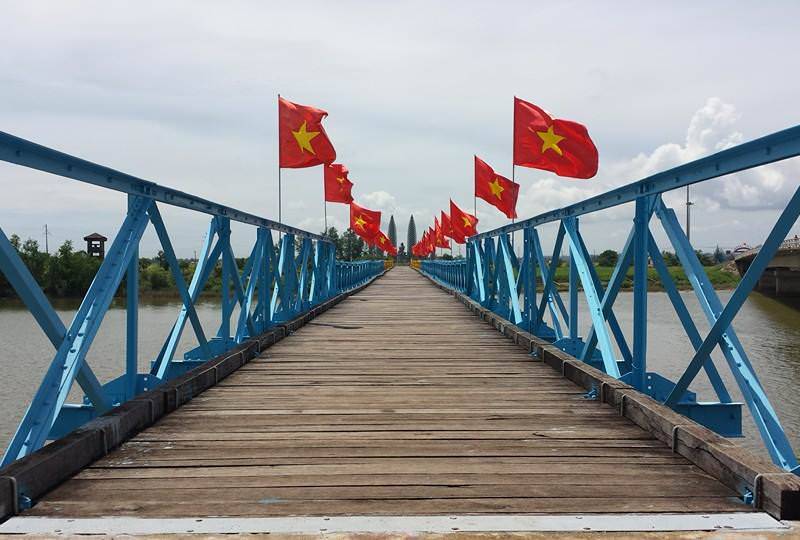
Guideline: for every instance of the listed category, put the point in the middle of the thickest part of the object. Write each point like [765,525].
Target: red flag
[365,223]
[422,245]
[383,243]
[561,146]
[439,239]
[432,241]
[497,190]
[338,186]
[464,225]
[430,246]
[447,229]
[302,141]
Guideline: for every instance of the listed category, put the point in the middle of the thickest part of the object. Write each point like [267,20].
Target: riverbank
[722,277]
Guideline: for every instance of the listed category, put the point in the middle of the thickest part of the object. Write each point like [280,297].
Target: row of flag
[458,226]
[302,142]
[540,142]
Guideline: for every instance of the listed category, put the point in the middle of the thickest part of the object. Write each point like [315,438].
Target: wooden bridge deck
[395,402]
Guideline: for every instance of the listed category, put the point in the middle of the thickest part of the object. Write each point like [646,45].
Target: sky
[184,93]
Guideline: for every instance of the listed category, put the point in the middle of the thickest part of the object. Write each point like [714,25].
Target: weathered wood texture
[396,401]
[774,490]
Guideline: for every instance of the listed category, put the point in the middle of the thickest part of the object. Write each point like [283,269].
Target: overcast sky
[184,94]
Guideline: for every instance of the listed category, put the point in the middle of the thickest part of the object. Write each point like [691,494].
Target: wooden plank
[269,507]
[695,483]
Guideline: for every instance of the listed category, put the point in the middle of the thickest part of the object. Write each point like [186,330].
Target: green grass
[720,277]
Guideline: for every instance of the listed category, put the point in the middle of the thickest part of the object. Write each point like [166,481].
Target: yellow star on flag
[304,138]
[467,221]
[340,179]
[550,140]
[497,189]
[383,240]
[360,222]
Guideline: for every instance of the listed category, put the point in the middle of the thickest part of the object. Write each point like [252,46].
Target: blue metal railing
[353,274]
[452,274]
[277,284]
[507,284]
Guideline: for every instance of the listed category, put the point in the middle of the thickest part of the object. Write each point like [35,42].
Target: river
[768,329]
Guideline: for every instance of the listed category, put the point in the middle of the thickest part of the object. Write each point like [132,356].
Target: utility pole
[688,216]
[46,242]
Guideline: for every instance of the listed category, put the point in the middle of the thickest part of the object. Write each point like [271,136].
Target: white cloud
[183,93]
[378,200]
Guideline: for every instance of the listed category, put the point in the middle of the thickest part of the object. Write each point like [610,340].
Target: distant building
[411,239]
[392,232]
[96,245]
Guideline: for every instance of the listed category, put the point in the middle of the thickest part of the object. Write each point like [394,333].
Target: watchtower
[96,245]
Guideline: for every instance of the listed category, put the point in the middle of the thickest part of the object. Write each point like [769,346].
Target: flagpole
[513,180]
[325,205]
[513,162]
[280,216]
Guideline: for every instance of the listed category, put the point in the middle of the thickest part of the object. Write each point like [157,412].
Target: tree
[35,260]
[706,259]
[333,235]
[155,277]
[392,233]
[608,258]
[670,259]
[352,246]
[161,260]
[719,255]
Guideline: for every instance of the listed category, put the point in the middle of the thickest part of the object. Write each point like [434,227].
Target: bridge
[781,277]
[361,397]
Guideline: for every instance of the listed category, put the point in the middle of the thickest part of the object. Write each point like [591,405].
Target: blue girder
[490,273]
[271,288]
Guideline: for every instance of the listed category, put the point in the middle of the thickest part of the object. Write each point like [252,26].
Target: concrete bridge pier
[780,282]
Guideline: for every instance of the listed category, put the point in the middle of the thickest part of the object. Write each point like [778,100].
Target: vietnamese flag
[447,229]
[383,243]
[338,187]
[464,225]
[431,241]
[560,146]
[302,141]
[497,190]
[439,239]
[423,243]
[365,223]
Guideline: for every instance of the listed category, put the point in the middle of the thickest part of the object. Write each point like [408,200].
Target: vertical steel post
[573,286]
[529,262]
[132,319]
[227,302]
[640,258]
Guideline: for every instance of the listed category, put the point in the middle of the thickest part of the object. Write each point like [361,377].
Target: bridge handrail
[277,284]
[35,156]
[496,277]
[451,273]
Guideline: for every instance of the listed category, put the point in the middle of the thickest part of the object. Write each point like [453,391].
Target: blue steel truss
[277,284]
[495,276]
